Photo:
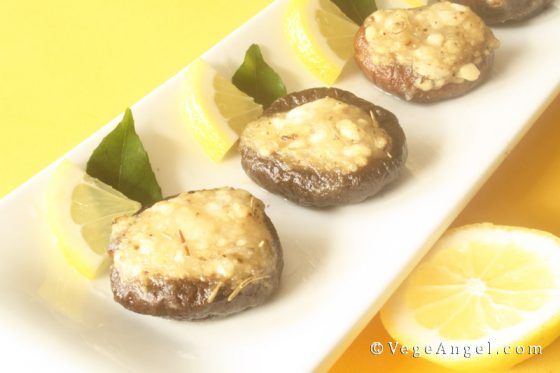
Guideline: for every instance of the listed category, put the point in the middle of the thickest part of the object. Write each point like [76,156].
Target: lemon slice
[486,297]
[321,36]
[216,111]
[80,211]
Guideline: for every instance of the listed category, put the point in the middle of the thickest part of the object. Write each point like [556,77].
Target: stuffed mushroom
[201,254]
[323,147]
[500,11]
[425,54]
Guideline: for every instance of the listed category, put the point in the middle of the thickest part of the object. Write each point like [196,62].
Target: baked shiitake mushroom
[425,54]
[500,11]
[323,147]
[201,254]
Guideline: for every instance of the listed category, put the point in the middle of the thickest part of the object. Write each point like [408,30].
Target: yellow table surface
[68,67]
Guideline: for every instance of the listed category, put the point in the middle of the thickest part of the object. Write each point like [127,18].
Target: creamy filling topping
[443,43]
[324,134]
[218,235]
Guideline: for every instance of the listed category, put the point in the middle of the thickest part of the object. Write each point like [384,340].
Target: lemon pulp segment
[80,211]
[216,111]
[235,106]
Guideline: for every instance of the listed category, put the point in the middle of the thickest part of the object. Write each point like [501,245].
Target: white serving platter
[341,264]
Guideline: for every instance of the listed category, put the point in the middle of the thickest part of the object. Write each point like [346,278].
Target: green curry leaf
[121,161]
[257,79]
[356,10]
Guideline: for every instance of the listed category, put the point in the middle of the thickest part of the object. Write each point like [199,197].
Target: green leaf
[121,161]
[257,79]
[356,10]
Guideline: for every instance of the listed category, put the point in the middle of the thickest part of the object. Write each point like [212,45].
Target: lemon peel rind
[200,120]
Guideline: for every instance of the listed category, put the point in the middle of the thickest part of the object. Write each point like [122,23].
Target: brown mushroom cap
[189,298]
[397,56]
[399,79]
[314,187]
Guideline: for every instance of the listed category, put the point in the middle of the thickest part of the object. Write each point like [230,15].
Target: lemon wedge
[321,36]
[486,297]
[216,111]
[80,211]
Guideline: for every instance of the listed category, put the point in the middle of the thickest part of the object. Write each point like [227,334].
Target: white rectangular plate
[341,263]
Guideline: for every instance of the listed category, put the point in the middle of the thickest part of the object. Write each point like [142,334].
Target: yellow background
[68,67]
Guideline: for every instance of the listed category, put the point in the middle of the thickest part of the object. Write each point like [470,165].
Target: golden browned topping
[324,134]
[218,234]
[442,43]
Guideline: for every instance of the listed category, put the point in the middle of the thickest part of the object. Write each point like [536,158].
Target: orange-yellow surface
[68,67]
[524,191]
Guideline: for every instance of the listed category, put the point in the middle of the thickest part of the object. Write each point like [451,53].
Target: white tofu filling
[442,43]
[324,134]
[218,235]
